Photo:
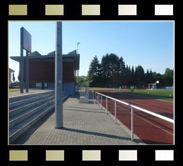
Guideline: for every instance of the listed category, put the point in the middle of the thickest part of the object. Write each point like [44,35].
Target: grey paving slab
[84,124]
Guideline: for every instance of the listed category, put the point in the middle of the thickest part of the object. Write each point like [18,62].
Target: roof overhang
[11,70]
[66,58]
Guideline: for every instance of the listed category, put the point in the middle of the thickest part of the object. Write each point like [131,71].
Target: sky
[146,43]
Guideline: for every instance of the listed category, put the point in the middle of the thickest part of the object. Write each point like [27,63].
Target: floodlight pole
[58,77]
[21,62]
[27,71]
[78,71]
[77,46]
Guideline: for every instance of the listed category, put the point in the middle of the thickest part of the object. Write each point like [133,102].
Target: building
[42,70]
[10,74]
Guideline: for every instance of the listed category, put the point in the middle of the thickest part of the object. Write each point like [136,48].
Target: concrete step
[26,96]
[23,117]
[15,119]
[21,127]
[24,101]
[21,108]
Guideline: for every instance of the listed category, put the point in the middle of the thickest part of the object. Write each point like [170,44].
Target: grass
[14,90]
[164,95]
[98,88]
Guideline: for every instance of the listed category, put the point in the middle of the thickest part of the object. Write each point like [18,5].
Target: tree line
[113,72]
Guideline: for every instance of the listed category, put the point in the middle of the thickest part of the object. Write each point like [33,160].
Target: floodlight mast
[25,43]
[21,62]
[27,72]
[58,77]
[77,71]
[77,46]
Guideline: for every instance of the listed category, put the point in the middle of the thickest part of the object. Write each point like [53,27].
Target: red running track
[148,128]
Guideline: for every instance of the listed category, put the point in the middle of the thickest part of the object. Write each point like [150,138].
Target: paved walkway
[84,124]
[31,91]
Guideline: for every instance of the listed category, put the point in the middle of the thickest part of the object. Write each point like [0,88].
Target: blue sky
[146,43]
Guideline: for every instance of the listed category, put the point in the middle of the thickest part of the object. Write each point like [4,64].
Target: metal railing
[83,94]
[97,95]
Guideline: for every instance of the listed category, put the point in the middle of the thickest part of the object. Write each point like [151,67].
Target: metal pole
[101,102]
[21,62]
[98,99]
[27,71]
[77,70]
[115,112]
[77,46]
[77,80]
[58,77]
[106,105]
[132,123]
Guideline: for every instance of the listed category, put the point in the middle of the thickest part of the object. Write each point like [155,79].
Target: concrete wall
[51,85]
[69,87]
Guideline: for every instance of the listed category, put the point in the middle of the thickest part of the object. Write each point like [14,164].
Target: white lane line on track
[147,121]
[150,105]
[154,125]
[153,107]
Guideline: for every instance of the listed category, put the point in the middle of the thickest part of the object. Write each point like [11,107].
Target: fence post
[115,112]
[101,102]
[97,98]
[106,105]
[132,124]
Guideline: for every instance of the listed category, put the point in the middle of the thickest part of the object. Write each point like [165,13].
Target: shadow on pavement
[96,133]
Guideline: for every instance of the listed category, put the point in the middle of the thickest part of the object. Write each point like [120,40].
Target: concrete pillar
[78,80]
[21,62]
[27,72]
[58,77]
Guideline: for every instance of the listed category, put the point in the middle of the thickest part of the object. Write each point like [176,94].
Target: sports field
[164,95]
[150,129]
[14,90]
[100,88]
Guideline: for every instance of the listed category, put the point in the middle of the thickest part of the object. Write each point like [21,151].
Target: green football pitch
[14,90]
[99,88]
[165,94]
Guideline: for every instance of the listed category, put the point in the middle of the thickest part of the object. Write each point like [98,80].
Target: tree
[147,77]
[19,76]
[105,72]
[128,76]
[121,72]
[158,77]
[139,72]
[82,79]
[94,68]
[132,76]
[111,68]
[112,72]
[95,72]
[13,77]
[151,80]
[168,77]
